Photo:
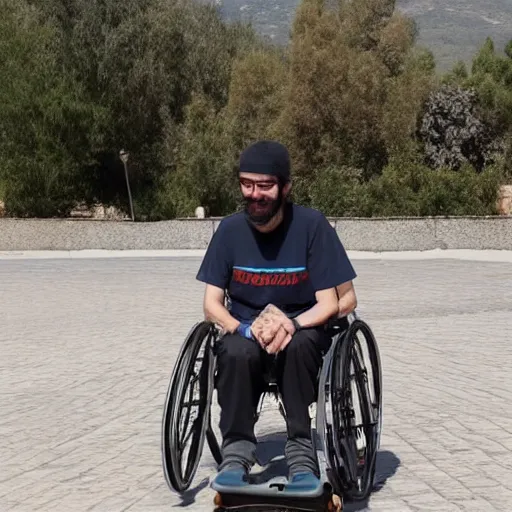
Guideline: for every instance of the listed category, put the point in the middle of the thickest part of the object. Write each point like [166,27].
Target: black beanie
[266,157]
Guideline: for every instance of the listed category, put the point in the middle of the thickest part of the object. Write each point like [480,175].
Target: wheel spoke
[194,403]
[193,428]
[195,379]
[186,435]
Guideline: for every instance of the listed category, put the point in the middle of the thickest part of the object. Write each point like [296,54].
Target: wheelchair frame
[346,449]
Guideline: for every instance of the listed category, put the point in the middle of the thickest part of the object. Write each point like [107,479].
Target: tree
[362,22]
[256,96]
[491,77]
[351,68]
[46,119]
[453,131]
[406,95]
[333,99]
[143,61]
[204,162]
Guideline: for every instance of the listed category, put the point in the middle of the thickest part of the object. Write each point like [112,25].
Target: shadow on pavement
[271,463]
[387,465]
[270,457]
[189,496]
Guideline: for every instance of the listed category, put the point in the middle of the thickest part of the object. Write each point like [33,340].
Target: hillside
[452,29]
[455,29]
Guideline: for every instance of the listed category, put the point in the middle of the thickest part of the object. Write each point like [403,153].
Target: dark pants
[241,366]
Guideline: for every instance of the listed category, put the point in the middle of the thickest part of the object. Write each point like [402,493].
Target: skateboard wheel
[337,503]
[217,500]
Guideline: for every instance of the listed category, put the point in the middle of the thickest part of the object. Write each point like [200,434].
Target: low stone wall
[422,234]
[391,234]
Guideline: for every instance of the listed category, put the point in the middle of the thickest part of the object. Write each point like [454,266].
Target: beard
[261,211]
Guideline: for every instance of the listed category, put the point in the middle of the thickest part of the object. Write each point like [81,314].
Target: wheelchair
[346,420]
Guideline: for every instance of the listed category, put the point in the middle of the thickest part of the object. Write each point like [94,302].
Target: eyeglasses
[261,185]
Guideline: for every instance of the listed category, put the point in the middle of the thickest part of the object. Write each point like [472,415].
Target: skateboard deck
[228,502]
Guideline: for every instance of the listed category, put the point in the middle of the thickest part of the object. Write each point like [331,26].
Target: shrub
[453,131]
[408,188]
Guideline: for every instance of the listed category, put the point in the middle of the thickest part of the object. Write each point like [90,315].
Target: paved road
[87,347]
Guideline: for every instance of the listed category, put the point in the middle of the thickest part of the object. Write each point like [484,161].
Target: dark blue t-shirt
[284,267]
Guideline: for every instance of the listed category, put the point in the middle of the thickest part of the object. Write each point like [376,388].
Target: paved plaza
[87,347]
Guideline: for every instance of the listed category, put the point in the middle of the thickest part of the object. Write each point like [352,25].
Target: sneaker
[234,475]
[305,482]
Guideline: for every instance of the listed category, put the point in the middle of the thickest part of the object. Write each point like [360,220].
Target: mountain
[456,29]
[452,29]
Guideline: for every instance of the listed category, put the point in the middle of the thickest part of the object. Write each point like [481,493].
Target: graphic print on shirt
[270,276]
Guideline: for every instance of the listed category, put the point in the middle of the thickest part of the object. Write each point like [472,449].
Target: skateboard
[229,502]
[278,495]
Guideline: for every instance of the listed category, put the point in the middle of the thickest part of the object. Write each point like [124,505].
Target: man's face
[262,194]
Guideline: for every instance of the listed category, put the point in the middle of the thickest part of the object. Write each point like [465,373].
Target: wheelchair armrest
[337,324]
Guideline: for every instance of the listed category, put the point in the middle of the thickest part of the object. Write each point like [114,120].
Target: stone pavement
[87,348]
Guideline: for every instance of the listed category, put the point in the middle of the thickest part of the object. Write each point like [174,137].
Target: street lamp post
[124,158]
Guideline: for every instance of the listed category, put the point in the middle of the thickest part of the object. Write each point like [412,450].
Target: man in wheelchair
[286,274]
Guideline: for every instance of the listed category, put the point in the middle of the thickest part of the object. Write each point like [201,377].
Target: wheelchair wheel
[186,418]
[355,389]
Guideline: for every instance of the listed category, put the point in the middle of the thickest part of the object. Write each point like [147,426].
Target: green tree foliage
[143,62]
[405,98]
[354,87]
[453,131]
[204,174]
[407,187]
[371,128]
[47,124]
[490,76]
[338,191]
[413,189]
[256,96]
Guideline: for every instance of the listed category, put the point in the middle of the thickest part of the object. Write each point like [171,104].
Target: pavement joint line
[502,256]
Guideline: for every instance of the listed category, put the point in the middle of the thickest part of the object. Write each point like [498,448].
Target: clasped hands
[272,329]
